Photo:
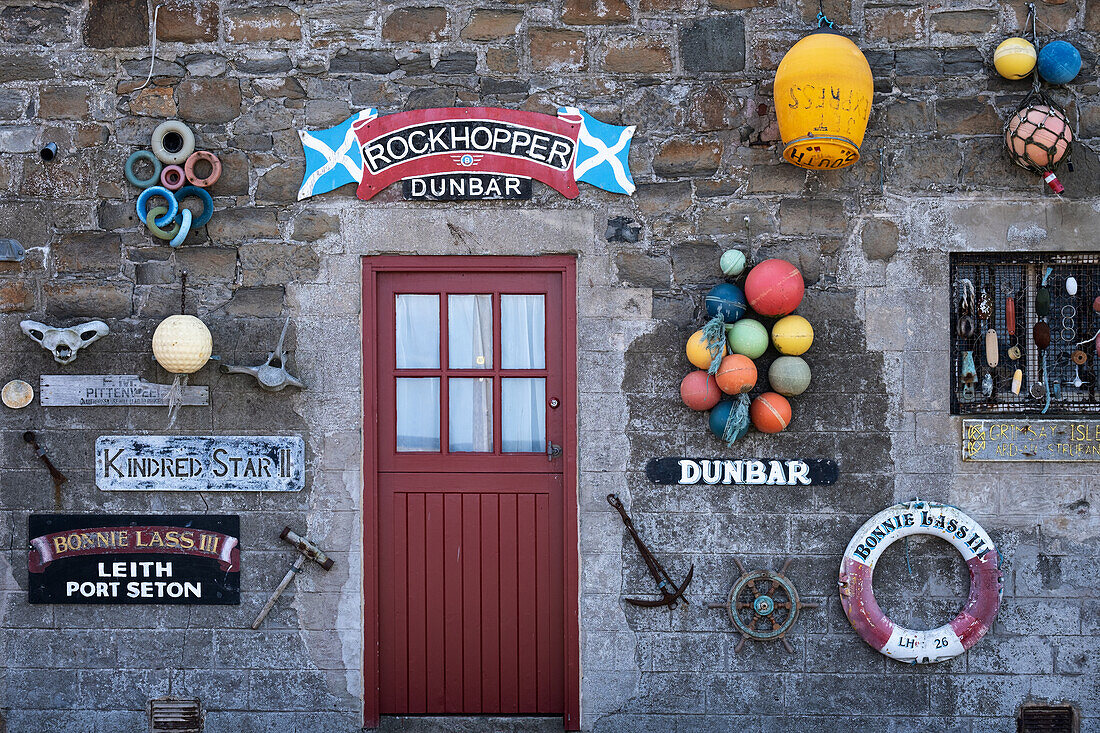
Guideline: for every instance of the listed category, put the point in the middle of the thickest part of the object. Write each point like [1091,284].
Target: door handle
[552,451]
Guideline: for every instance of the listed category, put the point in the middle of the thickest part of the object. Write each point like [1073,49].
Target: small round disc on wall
[17,394]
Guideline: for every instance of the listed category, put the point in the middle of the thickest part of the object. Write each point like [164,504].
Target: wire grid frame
[1071,320]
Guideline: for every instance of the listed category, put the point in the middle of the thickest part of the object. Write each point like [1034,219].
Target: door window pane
[522,332]
[418,413]
[523,415]
[470,331]
[470,401]
[417,331]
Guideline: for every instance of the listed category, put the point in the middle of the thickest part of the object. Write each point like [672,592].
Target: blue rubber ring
[146,182]
[185,229]
[164,193]
[207,203]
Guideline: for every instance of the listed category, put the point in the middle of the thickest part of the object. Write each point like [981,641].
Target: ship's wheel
[763,605]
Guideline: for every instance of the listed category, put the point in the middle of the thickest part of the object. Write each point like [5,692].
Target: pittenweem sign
[199,463]
[751,471]
[130,558]
[467,152]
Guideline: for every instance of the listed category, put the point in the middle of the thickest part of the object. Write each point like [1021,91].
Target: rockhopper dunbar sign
[467,153]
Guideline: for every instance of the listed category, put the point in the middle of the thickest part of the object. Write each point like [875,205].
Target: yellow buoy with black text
[823,90]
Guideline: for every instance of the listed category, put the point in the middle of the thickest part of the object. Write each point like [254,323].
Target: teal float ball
[726,300]
[748,336]
[789,375]
[732,262]
[1059,62]
[718,417]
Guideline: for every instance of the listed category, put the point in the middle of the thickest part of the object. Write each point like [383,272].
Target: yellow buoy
[1014,58]
[823,90]
[698,353]
[792,335]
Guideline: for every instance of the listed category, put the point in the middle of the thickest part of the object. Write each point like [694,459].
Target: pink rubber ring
[172,177]
[215,168]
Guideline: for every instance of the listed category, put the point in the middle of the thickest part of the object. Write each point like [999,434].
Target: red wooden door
[473,386]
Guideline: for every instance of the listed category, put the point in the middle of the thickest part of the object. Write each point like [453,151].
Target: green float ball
[748,337]
[732,262]
[789,375]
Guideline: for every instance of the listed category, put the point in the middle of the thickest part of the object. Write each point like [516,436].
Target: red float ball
[699,390]
[736,374]
[770,412]
[774,288]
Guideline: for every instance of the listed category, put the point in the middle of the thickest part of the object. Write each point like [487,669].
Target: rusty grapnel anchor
[671,594]
[763,605]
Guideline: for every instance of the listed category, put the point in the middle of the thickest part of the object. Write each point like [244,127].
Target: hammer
[306,549]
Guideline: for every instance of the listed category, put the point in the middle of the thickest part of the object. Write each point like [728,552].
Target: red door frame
[567,266]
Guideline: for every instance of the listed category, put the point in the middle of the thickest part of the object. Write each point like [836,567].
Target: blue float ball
[726,300]
[1059,62]
[719,414]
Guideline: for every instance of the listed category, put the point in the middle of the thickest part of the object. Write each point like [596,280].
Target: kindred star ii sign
[467,153]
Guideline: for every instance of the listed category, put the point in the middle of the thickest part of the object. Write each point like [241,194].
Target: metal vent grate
[1046,719]
[176,714]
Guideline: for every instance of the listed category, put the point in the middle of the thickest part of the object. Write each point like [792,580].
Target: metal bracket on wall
[11,251]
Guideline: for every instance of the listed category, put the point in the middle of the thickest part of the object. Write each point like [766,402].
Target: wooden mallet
[306,550]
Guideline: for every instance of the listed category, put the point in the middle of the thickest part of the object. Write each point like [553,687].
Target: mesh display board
[1064,383]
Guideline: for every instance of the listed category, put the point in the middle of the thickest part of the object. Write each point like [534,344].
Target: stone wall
[695,77]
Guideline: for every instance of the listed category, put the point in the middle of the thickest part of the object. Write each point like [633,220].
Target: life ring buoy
[164,193]
[172,177]
[156,231]
[185,228]
[215,168]
[207,203]
[891,525]
[173,142]
[132,177]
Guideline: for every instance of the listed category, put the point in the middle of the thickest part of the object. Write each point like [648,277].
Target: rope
[715,335]
[737,424]
[153,49]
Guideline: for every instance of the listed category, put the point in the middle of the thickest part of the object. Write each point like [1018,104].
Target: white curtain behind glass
[522,332]
[523,346]
[470,346]
[470,331]
[417,325]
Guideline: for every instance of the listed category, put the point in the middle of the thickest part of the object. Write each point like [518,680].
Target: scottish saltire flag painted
[491,147]
[602,150]
[333,156]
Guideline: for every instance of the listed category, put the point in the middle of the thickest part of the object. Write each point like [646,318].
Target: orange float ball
[770,412]
[699,390]
[736,374]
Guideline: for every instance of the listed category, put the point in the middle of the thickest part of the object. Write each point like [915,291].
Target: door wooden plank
[452,600]
[417,674]
[556,603]
[526,584]
[471,603]
[542,596]
[490,603]
[434,575]
[397,631]
[509,606]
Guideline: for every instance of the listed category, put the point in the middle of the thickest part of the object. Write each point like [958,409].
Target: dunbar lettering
[681,471]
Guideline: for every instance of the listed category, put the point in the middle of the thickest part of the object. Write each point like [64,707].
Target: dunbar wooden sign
[199,463]
[750,471]
[459,153]
[129,558]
